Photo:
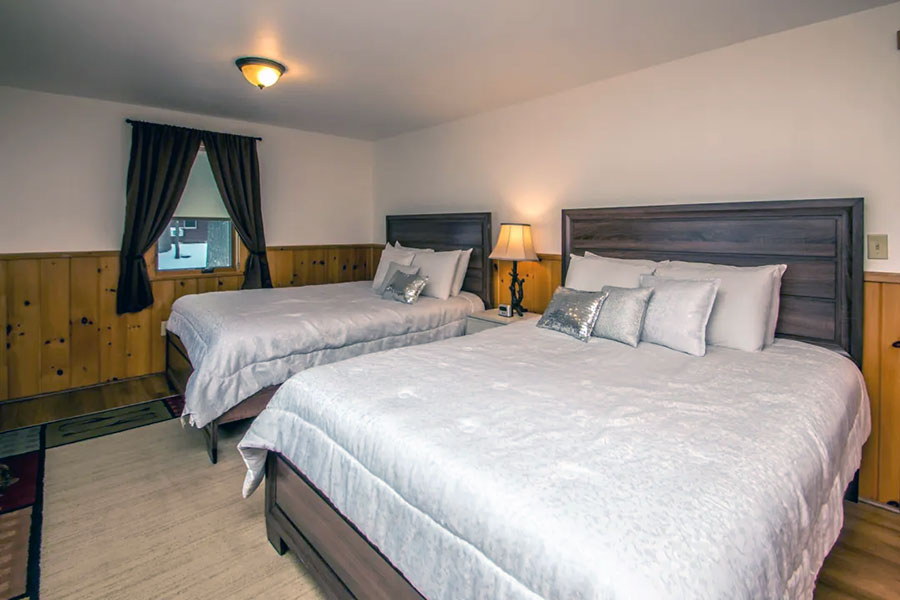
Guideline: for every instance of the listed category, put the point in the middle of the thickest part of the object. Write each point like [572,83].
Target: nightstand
[488,319]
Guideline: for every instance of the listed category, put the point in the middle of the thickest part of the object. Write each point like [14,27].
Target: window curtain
[235,167]
[158,170]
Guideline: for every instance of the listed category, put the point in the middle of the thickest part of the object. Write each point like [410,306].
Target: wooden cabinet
[880,471]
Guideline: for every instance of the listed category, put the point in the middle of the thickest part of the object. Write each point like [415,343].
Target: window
[200,234]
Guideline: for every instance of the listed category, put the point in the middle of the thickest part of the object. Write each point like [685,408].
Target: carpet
[125,504]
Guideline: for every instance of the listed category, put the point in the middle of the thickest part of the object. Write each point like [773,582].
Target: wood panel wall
[62,330]
[880,471]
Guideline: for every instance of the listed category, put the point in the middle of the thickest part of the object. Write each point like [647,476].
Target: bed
[519,463]
[228,352]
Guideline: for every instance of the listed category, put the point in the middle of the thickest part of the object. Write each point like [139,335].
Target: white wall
[63,163]
[809,113]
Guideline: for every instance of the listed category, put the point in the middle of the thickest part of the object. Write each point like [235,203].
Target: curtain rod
[132,121]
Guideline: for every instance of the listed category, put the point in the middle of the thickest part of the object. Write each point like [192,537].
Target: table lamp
[514,243]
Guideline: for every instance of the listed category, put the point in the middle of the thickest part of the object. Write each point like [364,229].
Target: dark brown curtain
[235,166]
[161,160]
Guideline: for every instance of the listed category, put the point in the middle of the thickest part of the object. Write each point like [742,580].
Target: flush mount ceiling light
[261,72]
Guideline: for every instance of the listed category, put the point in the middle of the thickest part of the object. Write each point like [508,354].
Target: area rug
[125,504]
[22,464]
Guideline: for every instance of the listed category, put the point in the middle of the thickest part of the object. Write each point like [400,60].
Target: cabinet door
[889,422]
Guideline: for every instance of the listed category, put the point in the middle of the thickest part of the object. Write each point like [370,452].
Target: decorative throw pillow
[593,274]
[389,255]
[622,315]
[678,313]
[573,312]
[743,315]
[404,288]
[394,268]
[438,268]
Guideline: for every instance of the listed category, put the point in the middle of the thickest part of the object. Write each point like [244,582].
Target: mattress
[243,341]
[521,463]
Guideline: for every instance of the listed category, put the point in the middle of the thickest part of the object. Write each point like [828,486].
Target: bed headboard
[821,241]
[450,231]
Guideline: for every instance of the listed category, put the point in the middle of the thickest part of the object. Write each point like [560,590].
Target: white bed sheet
[241,342]
[521,463]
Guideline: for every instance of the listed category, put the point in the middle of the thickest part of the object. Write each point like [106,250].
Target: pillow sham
[628,261]
[743,315]
[408,249]
[622,315]
[439,268]
[395,268]
[573,312]
[594,273]
[461,267]
[678,312]
[405,288]
[389,255]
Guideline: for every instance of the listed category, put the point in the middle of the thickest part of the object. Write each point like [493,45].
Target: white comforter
[521,463]
[241,342]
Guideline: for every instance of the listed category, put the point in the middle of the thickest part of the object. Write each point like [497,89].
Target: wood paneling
[23,284]
[55,338]
[84,320]
[59,312]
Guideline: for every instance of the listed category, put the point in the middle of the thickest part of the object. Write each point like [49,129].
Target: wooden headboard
[450,231]
[821,241]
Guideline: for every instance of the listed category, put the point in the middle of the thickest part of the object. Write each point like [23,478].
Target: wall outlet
[878,245]
[162,328]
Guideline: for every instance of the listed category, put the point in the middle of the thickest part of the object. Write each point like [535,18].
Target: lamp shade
[514,243]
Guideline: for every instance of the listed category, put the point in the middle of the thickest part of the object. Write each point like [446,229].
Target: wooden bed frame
[820,240]
[442,231]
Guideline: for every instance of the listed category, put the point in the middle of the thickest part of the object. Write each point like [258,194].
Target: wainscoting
[62,330]
[880,472]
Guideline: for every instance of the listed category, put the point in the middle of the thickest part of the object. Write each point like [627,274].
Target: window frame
[238,252]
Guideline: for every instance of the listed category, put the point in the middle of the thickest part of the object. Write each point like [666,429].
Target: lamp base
[515,292]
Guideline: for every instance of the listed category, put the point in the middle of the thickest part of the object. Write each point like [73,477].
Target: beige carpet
[143,514]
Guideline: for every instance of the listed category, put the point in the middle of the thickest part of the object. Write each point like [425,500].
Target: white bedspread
[241,342]
[521,463]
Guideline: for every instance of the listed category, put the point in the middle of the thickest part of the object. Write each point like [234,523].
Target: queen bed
[521,463]
[229,351]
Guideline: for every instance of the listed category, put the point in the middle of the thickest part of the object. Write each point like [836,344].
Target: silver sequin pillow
[622,315]
[678,313]
[573,312]
[393,268]
[404,287]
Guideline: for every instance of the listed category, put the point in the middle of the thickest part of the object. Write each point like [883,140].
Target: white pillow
[461,268]
[440,269]
[389,255]
[593,273]
[632,261]
[398,246]
[678,313]
[743,315]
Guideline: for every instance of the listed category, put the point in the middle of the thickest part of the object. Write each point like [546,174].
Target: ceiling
[366,68]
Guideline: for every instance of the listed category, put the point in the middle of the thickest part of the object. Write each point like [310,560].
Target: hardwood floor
[864,564]
[72,403]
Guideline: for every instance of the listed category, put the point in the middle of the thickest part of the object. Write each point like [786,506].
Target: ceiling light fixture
[261,72]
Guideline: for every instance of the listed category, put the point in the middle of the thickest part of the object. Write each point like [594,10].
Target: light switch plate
[162,328]
[878,245]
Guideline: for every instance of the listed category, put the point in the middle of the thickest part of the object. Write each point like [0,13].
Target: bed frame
[442,231]
[821,302]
